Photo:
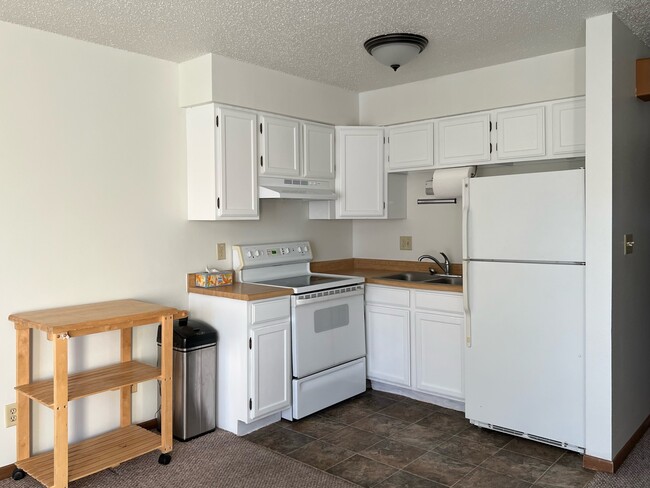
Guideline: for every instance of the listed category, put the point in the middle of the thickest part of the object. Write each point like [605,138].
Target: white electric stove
[328,341]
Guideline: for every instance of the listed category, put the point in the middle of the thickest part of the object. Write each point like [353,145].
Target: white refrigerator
[524,286]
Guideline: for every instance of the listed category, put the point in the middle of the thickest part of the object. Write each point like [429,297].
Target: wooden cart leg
[60,354]
[166,383]
[23,377]
[126,339]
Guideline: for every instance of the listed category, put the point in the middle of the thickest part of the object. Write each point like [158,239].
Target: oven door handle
[327,295]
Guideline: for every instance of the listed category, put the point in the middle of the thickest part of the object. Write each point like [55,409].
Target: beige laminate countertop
[370,269]
[239,291]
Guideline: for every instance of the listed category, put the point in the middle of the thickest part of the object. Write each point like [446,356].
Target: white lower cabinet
[415,339]
[388,345]
[438,347]
[253,358]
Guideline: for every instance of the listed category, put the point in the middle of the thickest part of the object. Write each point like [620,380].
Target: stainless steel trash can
[195,376]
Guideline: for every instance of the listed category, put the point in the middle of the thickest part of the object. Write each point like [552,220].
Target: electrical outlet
[134,388]
[221,251]
[11,415]
[405,243]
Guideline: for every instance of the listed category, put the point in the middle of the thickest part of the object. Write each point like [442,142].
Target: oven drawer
[269,310]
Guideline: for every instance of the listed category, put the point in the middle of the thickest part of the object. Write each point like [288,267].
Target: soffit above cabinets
[322,40]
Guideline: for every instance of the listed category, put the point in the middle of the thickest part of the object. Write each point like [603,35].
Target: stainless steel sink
[416,276]
[409,276]
[447,280]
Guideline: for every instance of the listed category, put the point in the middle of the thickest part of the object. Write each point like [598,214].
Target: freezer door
[524,369]
[526,217]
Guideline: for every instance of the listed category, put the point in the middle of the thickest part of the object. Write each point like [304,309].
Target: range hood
[296,188]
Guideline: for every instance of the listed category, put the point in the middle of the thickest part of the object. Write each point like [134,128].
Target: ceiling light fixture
[395,50]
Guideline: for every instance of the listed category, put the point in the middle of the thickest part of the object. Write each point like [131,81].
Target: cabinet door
[269,369]
[521,133]
[388,344]
[439,351]
[360,179]
[569,127]
[410,146]
[318,156]
[464,140]
[236,164]
[280,146]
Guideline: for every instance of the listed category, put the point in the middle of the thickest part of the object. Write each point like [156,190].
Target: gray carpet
[635,471]
[219,459]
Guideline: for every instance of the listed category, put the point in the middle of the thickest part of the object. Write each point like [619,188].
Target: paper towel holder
[428,189]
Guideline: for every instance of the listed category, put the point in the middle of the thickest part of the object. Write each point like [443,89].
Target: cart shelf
[93,455]
[93,381]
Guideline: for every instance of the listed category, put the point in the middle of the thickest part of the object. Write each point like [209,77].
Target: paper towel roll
[448,183]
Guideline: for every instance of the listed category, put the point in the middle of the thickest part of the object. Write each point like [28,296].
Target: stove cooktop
[302,281]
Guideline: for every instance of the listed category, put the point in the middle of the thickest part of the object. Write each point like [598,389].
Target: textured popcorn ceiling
[323,39]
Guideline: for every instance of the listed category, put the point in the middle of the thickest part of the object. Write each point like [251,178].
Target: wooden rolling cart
[70,462]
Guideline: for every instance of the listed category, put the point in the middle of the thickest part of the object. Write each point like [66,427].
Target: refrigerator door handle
[465,205]
[468,315]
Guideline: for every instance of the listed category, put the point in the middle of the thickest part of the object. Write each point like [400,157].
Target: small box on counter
[211,279]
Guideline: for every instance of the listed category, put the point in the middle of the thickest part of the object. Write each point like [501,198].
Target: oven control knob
[286,250]
[257,253]
[306,249]
[249,254]
[299,249]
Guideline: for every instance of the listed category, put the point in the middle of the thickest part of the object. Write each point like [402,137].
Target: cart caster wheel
[164,459]
[18,474]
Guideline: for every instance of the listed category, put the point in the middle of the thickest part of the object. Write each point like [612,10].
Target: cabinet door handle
[262,161]
[218,202]
[490,148]
[250,404]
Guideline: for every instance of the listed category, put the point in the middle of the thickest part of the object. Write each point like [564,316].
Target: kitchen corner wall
[93,206]
[438,227]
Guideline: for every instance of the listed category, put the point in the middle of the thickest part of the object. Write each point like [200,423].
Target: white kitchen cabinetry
[521,133]
[253,358]
[388,344]
[415,340]
[464,140]
[410,146]
[318,155]
[279,146]
[568,127]
[364,189]
[221,163]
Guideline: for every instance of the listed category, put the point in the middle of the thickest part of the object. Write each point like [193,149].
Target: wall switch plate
[11,415]
[221,251]
[628,244]
[405,243]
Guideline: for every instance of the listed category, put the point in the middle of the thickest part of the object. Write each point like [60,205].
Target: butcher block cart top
[65,462]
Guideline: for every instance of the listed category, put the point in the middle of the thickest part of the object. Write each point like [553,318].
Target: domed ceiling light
[395,50]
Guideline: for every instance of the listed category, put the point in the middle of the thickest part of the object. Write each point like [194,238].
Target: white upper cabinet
[521,133]
[464,140]
[410,146]
[360,179]
[279,146]
[569,120]
[221,163]
[318,151]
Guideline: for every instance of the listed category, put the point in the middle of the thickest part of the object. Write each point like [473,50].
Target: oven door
[327,328]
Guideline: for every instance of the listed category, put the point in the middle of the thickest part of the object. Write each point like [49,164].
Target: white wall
[598,270]
[93,205]
[631,208]
[438,227]
[215,78]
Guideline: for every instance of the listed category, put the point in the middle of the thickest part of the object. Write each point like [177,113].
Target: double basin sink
[420,277]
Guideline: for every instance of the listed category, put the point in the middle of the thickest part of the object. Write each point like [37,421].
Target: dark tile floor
[388,441]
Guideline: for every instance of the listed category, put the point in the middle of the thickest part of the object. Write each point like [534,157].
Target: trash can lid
[191,333]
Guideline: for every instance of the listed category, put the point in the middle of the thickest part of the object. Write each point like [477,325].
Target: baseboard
[602,465]
[6,471]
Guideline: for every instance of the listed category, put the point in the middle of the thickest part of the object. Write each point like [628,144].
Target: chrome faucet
[446,267]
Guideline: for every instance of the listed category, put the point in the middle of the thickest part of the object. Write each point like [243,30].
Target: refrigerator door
[525,217]
[525,367]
